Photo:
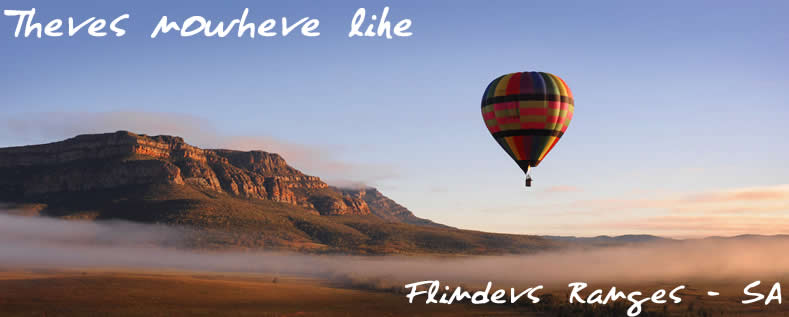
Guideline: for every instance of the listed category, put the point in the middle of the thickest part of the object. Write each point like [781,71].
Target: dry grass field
[119,293]
[97,292]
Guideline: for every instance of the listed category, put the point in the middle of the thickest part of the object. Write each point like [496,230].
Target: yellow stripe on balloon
[501,87]
[506,113]
[559,84]
[513,147]
[548,146]
[510,126]
[531,104]
[552,89]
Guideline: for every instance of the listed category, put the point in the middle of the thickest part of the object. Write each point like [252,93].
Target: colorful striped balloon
[527,113]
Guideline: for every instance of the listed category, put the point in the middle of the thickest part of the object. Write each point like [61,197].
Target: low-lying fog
[46,242]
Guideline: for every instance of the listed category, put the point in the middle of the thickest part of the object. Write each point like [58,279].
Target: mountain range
[225,198]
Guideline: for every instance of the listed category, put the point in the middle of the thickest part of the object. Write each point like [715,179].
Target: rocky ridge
[105,161]
[384,207]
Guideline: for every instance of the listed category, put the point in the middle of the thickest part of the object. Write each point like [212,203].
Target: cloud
[763,193]
[734,211]
[321,160]
[704,226]
[752,199]
[563,189]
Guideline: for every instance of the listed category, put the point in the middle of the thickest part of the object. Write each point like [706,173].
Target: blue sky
[674,100]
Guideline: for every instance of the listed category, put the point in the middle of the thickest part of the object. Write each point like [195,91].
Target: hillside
[224,199]
[609,240]
[385,208]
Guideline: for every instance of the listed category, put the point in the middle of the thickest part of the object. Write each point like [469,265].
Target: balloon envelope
[527,113]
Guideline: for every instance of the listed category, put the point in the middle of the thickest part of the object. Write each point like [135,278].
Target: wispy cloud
[755,199]
[763,193]
[320,160]
[733,211]
[563,189]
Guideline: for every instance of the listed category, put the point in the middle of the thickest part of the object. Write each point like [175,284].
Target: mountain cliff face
[105,161]
[223,199]
[384,207]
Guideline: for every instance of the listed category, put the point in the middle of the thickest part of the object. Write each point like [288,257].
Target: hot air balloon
[527,113]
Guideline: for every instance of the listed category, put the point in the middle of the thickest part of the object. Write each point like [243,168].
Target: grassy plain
[112,292]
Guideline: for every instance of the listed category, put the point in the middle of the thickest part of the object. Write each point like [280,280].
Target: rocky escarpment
[384,207]
[105,161]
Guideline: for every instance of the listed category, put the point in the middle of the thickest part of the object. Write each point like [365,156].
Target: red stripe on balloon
[507,120]
[528,144]
[532,125]
[513,86]
[518,142]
